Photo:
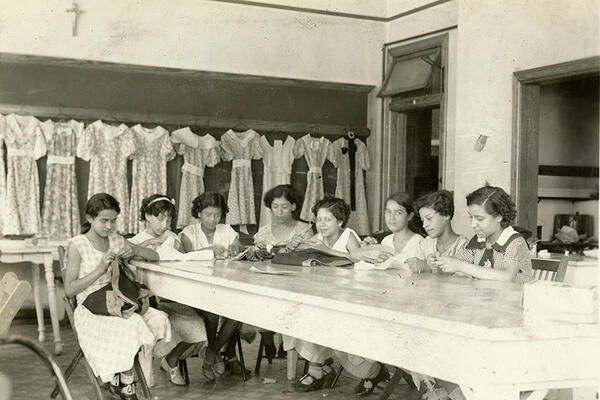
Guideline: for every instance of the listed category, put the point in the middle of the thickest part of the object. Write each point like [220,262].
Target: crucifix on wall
[75,11]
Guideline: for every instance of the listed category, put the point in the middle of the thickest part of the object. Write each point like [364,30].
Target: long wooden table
[467,331]
[18,251]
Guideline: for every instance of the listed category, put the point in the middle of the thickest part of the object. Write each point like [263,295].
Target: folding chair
[70,304]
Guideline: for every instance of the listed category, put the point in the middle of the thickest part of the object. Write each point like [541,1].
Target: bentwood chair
[70,305]
[549,269]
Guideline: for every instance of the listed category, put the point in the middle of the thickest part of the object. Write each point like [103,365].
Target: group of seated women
[173,331]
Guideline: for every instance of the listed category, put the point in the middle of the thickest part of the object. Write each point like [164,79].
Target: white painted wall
[199,34]
[497,38]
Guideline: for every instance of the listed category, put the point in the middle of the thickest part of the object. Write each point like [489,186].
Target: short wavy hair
[282,191]
[441,201]
[495,201]
[151,207]
[209,199]
[338,207]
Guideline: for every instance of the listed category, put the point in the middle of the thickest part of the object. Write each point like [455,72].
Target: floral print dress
[25,144]
[340,158]
[198,152]
[60,215]
[241,147]
[153,150]
[316,152]
[107,148]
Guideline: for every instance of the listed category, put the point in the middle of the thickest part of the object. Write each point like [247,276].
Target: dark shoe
[235,368]
[128,392]
[366,386]
[309,383]
[113,391]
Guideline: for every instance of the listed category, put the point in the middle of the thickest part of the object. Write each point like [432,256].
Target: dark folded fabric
[310,257]
[122,296]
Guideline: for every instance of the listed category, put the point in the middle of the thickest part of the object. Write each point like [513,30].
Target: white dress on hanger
[241,147]
[25,144]
[340,159]
[60,213]
[153,150]
[107,148]
[315,151]
[198,152]
[277,161]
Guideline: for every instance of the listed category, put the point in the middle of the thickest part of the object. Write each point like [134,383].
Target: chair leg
[337,377]
[259,356]
[68,371]
[392,384]
[408,378]
[245,377]
[96,383]
[142,379]
[183,370]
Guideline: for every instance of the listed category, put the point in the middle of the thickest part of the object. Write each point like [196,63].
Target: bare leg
[173,357]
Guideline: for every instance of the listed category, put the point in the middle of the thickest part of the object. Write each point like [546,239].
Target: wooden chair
[549,269]
[70,305]
[13,293]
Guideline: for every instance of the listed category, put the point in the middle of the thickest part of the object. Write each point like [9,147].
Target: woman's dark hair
[495,201]
[338,207]
[405,200]
[209,199]
[440,201]
[156,205]
[97,203]
[286,191]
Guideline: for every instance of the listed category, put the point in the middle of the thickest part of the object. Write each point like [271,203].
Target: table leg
[58,346]
[491,393]
[39,310]
[292,362]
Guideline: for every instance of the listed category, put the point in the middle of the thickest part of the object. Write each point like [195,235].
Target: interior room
[277,199]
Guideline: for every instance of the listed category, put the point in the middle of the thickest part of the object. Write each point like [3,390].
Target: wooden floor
[31,380]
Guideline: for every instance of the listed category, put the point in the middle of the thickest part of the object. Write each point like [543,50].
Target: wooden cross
[75,13]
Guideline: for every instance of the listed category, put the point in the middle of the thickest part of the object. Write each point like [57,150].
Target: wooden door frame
[526,124]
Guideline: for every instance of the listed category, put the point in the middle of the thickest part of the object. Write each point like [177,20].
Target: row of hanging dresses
[60,210]
[277,169]
[153,149]
[107,149]
[241,148]
[198,152]
[25,144]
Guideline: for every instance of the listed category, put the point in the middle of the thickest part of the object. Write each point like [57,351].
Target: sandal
[128,392]
[217,365]
[113,390]
[366,386]
[309,383]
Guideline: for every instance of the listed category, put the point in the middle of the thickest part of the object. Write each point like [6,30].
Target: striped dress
[111,343]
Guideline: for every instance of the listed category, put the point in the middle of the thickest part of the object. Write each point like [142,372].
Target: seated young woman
[496,251]
[187,326]
[283,230]
[110,343]
[436,210]
[209,209]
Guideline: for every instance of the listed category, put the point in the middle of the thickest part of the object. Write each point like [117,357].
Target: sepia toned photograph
[299,199]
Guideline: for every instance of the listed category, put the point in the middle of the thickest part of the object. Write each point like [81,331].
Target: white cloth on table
[277,160]
[110,343]
[224,235]
[241,147]
[60,212]
[198,152]
[316,152]
[340,159]
[25,144]
[107,149]
[153,148]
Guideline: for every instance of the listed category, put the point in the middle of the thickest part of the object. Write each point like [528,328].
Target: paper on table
[170,254]
[395,262]
[271,271]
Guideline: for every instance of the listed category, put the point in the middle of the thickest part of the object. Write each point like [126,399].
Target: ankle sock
[127,378]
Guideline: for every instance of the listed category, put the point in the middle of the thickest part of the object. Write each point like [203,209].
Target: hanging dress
[25,144]
[241,147]
[350,187]
[198,152]
[315,151]
[277,170]
[107,148]
[2,172]
[60,212]
[149,171]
